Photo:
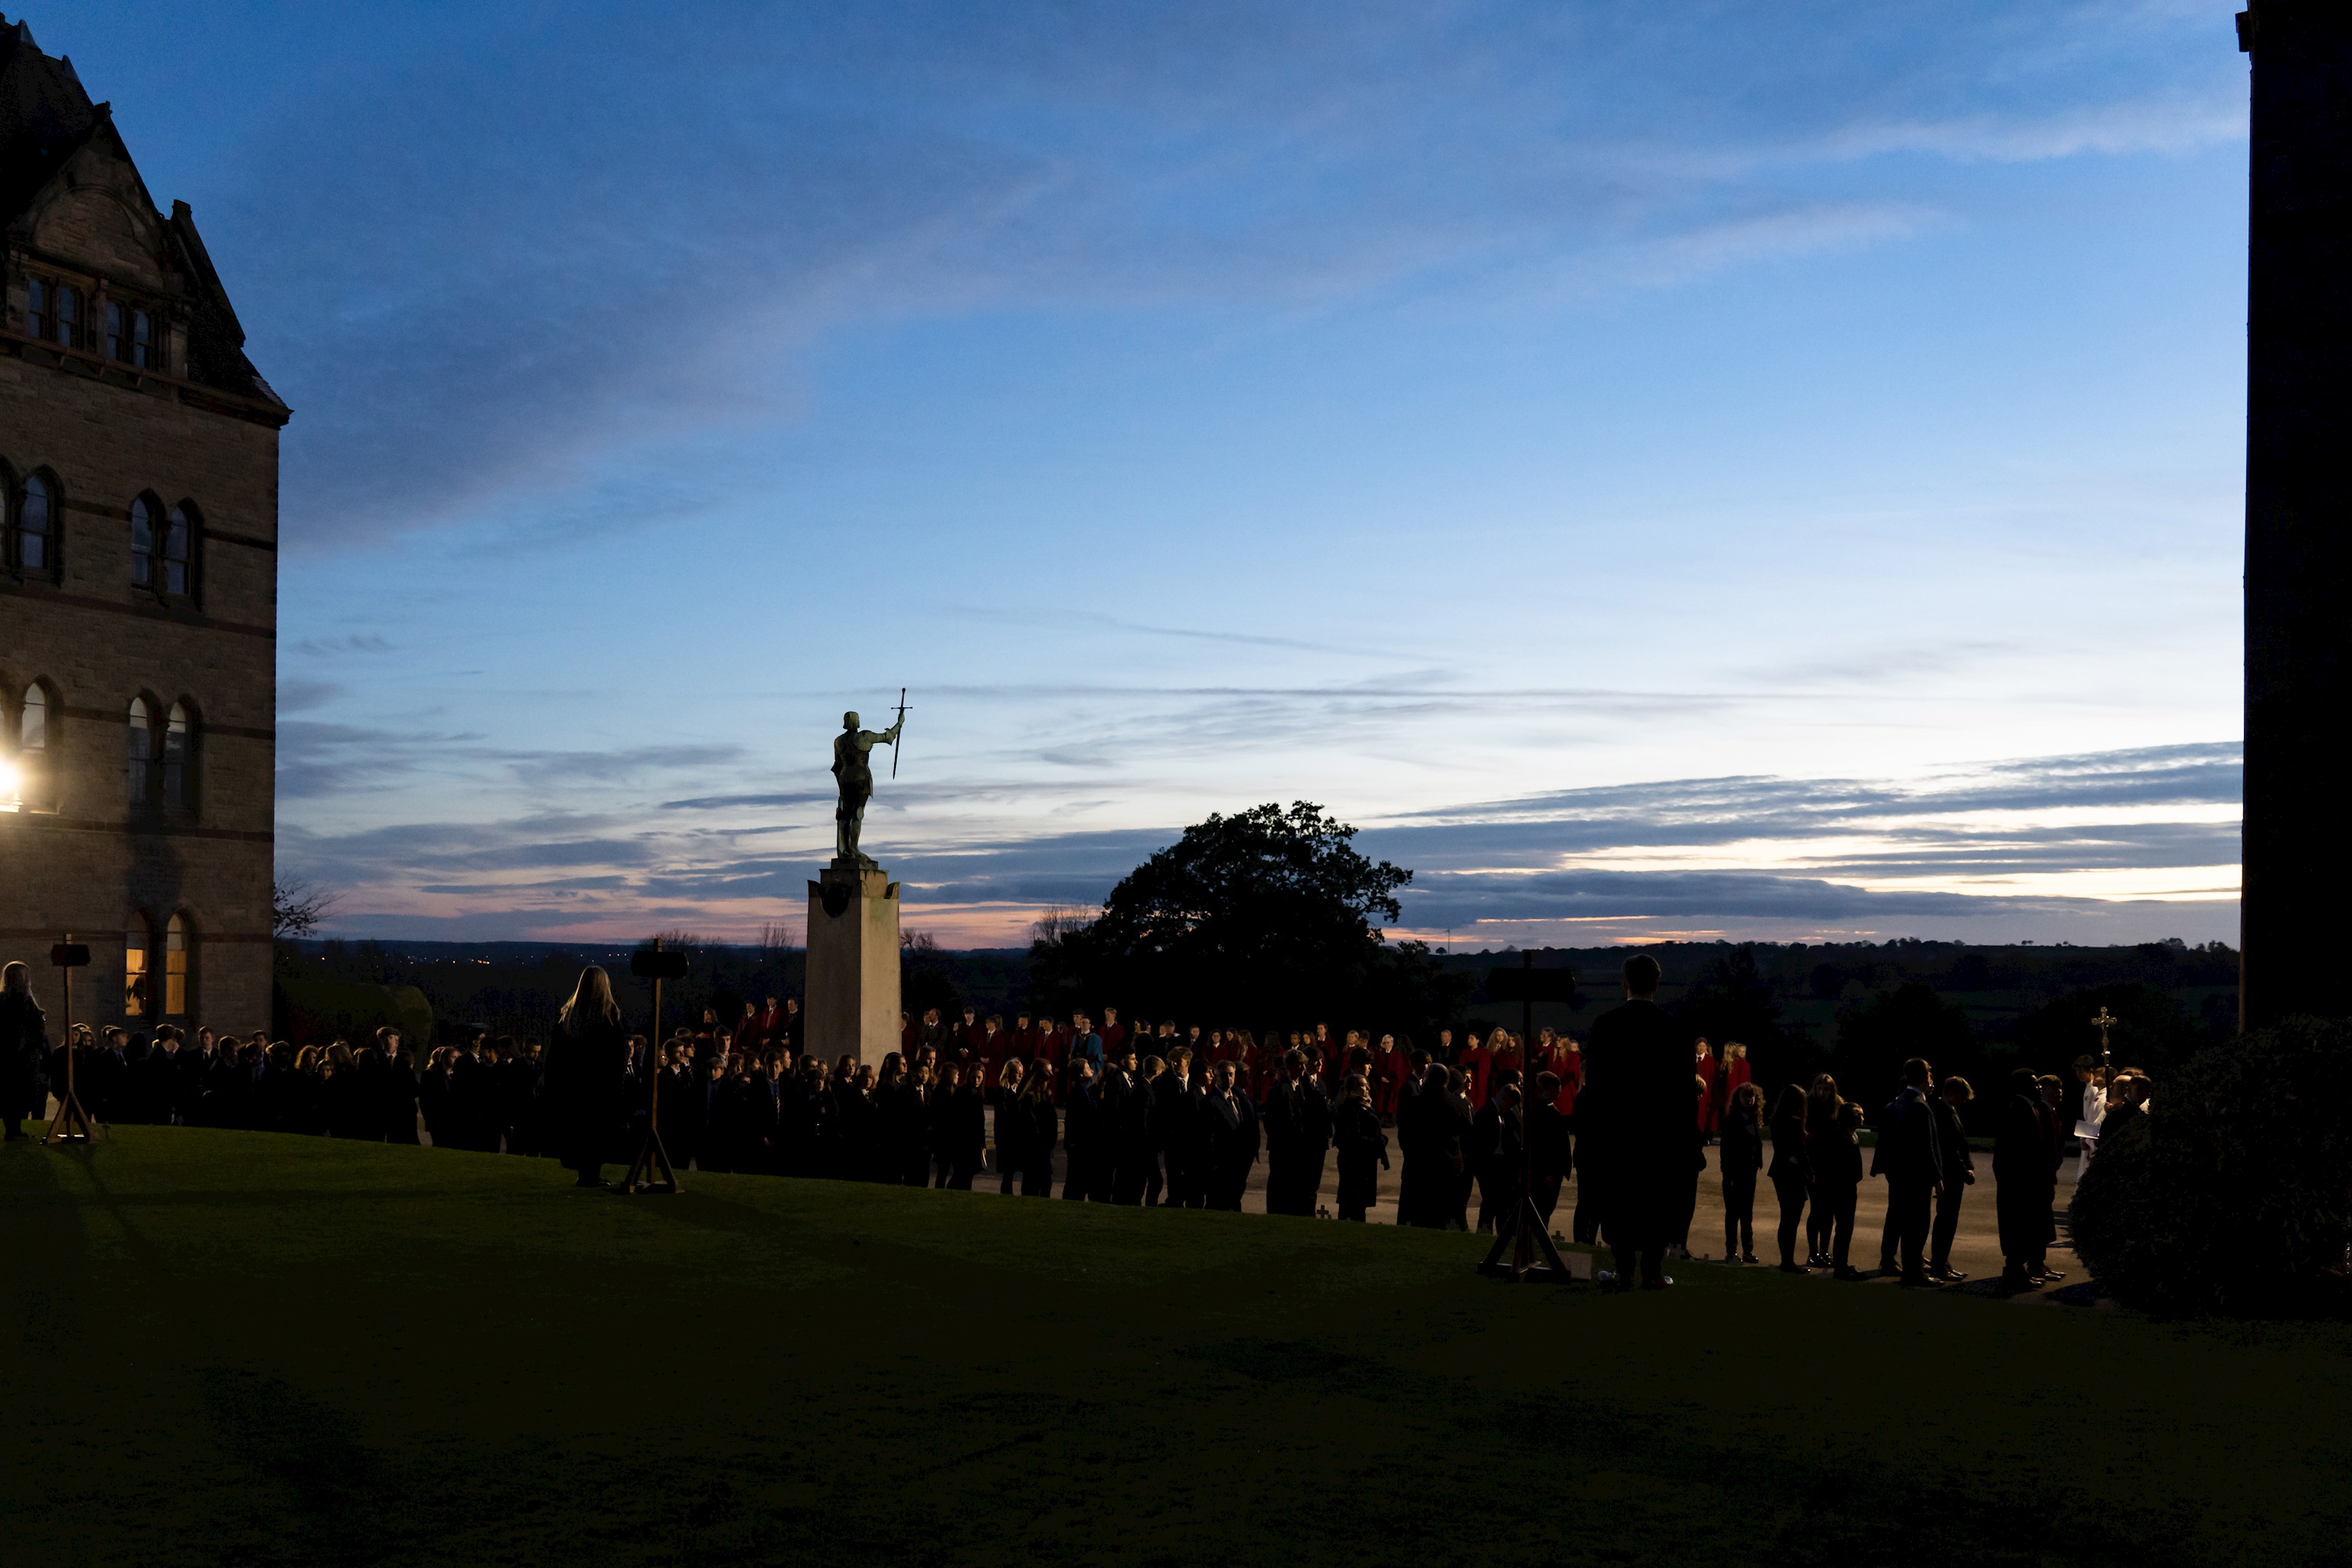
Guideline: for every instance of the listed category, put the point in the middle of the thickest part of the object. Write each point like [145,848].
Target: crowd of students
[1154,1114]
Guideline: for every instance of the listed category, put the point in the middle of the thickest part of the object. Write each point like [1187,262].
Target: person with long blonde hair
[584,1079]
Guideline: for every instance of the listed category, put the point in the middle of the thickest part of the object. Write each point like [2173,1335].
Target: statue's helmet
[849,721]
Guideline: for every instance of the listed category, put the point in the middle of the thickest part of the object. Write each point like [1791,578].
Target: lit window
[143,543]
[69,315]
[138,757]
[175,969]
[35,530]
[134,970]
[175,552]
[176,756]
[37,308]
[28,790]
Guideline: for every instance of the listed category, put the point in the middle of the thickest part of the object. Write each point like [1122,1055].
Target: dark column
[2298,832]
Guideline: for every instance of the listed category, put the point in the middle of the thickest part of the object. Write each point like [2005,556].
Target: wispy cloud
[2021,838]
[563,297]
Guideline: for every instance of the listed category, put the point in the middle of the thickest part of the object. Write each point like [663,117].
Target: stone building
[137,581]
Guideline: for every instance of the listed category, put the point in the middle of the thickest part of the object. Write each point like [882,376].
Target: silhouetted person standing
[23,1047]
[1960,1175]
[1297,1133]
[1548,1146]
[1910,1157]
[1229,1140]
[1364,1151]
[1791,1173]
[584,1079]
[1637,1109]
[1737,1160]
[2023,1186]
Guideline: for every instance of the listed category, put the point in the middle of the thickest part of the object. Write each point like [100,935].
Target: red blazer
[1113,1036]
[1572,1079]
[1051,1048]
[1475,1061]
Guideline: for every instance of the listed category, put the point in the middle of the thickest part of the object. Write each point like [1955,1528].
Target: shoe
[1747,1257]
[2051,1277]
[1842,1273]
[1663,1282]
[2015,1279]
[1734,1263]
[1795,1269]
[1918,1281]
[1947,1276]
[1888,1266]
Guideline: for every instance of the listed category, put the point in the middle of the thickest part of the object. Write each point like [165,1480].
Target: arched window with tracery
[138,753]
[175,968]
[29,790]
[179,551]
[136,941]
[179,751]
[33,529]
[143,543]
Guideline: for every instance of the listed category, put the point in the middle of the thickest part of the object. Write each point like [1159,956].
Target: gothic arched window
[31,791]
[135,943]
[33,542]
[138,753]
[143,543]
[175,969]
[179,744]
[179,550]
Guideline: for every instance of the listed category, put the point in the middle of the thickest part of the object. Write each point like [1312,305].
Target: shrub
[2230,1195]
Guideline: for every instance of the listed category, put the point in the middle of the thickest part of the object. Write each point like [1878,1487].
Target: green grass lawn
[235,1348]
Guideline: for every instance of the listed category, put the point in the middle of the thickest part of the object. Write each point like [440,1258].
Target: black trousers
[1833,1205]
[1135,1173]
[1076,1172]
[1820,1223]
[1947,1225]
[1909,1205]
[1739,1217]
[1224,1188]
[1287,1191]
[1585,1224]
[1037,1181]
[960,1175]
[2022,1212]
[1547,1194]
[1791,1189]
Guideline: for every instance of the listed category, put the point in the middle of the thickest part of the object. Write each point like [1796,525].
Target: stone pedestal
[853,963]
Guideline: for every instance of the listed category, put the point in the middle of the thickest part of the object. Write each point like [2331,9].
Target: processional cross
[2103,1022]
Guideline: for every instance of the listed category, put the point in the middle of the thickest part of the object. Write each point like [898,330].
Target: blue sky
[1659,470]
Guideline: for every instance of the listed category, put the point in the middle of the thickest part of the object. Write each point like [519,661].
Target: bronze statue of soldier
[855,773]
